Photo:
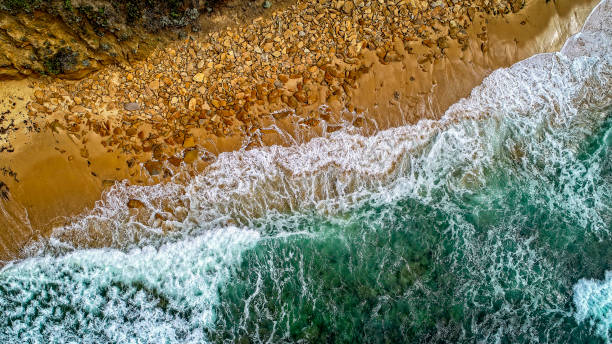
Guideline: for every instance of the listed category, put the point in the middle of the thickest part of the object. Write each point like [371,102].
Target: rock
[423,59]
[281,114]
[198,77]
[332,99]
[301,96]
[135,204]
[348,7]
[40,95]
[267,4]
[131,106]
[311,122]
[154,85]
[190,156]
[192,104]
[189,142]
[176,162]
[38,108]
[108,183]
[283,78]
[79,109]
[428,43]
[4,191]
[359,122]
[268,47]
[158,151]
[443,43]
[292,102]
[484,47]
[332,128]
[147,148]
[153,167]
[517,5]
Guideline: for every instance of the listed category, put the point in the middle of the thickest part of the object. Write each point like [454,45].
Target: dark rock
[443,43]
[175,161]
[131,106]
[135,204]
[517,5]
[4,191]
[153,167]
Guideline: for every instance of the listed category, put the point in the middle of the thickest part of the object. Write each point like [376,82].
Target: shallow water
[493,224]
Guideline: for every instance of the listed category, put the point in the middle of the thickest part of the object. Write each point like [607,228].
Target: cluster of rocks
[228,82]
[6,127]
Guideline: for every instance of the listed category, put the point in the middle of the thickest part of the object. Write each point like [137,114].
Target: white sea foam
[593,300]
[104,293]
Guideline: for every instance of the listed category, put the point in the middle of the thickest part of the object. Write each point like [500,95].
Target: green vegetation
[135,8]
[98,18]
[60,62]
[153,14]
[21,5]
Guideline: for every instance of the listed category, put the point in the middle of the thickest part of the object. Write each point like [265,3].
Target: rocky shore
[73,38]
[280,75]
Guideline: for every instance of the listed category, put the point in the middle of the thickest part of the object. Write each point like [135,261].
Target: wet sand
[51,172]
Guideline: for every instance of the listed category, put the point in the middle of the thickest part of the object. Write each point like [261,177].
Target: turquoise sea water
[497,261]
[492,225]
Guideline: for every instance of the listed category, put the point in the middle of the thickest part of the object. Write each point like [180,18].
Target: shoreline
[52,186]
